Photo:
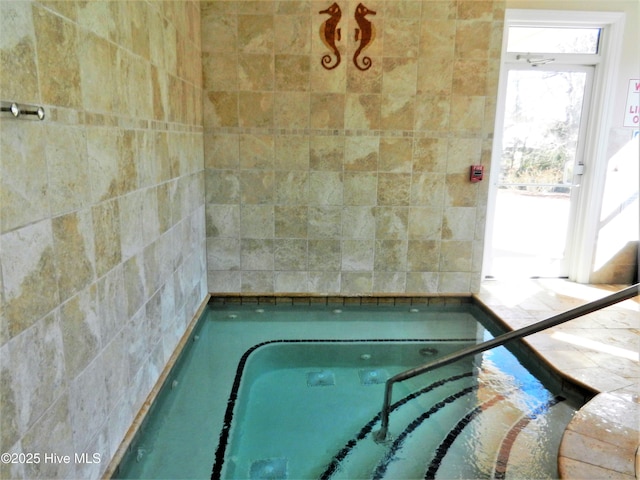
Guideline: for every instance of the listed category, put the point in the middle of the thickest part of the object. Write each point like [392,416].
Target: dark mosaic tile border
[223,439]
[440,301]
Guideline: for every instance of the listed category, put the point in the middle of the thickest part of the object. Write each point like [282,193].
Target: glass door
[539,169]
[549,151]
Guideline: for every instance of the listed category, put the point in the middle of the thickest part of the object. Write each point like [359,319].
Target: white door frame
[583,238]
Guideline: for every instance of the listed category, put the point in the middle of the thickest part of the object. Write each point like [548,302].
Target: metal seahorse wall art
[330,34]
[365,33]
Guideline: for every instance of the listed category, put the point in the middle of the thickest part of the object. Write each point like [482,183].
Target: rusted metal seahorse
[365,33]
[330,33]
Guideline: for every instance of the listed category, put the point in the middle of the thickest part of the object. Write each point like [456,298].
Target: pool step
[474,438]
[461,413]
[530,441]
[425,417]
[499,435]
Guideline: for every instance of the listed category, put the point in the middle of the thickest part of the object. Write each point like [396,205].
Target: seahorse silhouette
[329,33]
[366,33]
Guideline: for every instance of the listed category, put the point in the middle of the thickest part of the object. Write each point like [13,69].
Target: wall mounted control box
[476,173]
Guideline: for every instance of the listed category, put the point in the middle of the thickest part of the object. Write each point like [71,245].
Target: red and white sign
[632,110]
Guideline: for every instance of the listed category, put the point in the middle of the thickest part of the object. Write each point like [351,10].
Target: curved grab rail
[624,294]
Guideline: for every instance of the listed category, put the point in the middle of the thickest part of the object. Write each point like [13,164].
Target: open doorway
[542,145]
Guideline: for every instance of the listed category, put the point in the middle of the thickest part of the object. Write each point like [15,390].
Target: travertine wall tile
[290,187]
[366,167]
[112,304]
[10,432]
[324,255]
[425,223]
[18,53]
[360,188]
[424,255]
[394,188]
[326,153]
[324,222]
[362,111]
[69,187]
[53,433]
[389,282]
[401,35]
[427,189]
[292,72]
[290,254]
[223,254]
[292,153]
[257,151]
[261,281]
[102,150]
[325,188]
[356,283]
[399,76]
[295,282]
[255,33]
[395,154]
[131,209]
[390,256]
[435,72]
[24,196]
[455,256]
[323,80]
[257,221]
[58,60]
[358,222]
[356,82]
[357,255]
[80,325]
[391,222]
[397,111]
[459,223]
[75,252]
[327,110]
[291,111]
[107,240]
[257,186]
[290,222]
[29,275]
[255,109]
[87,398]
[102,230]
[97,58]
[37,379]
[222,186]
[422,282]
[454,282]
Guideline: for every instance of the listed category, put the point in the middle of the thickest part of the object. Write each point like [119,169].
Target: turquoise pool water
[293,392]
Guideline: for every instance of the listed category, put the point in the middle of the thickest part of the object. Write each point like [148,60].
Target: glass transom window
[553,40]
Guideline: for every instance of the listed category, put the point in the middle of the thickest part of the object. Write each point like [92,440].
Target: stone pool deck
[600,351]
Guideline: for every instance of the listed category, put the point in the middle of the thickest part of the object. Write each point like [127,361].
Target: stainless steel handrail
[625,294]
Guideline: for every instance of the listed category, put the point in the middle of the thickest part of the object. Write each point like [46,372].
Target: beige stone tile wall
[102,253]
[345,181]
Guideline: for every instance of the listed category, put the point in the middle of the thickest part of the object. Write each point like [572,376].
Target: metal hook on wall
[16,110]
